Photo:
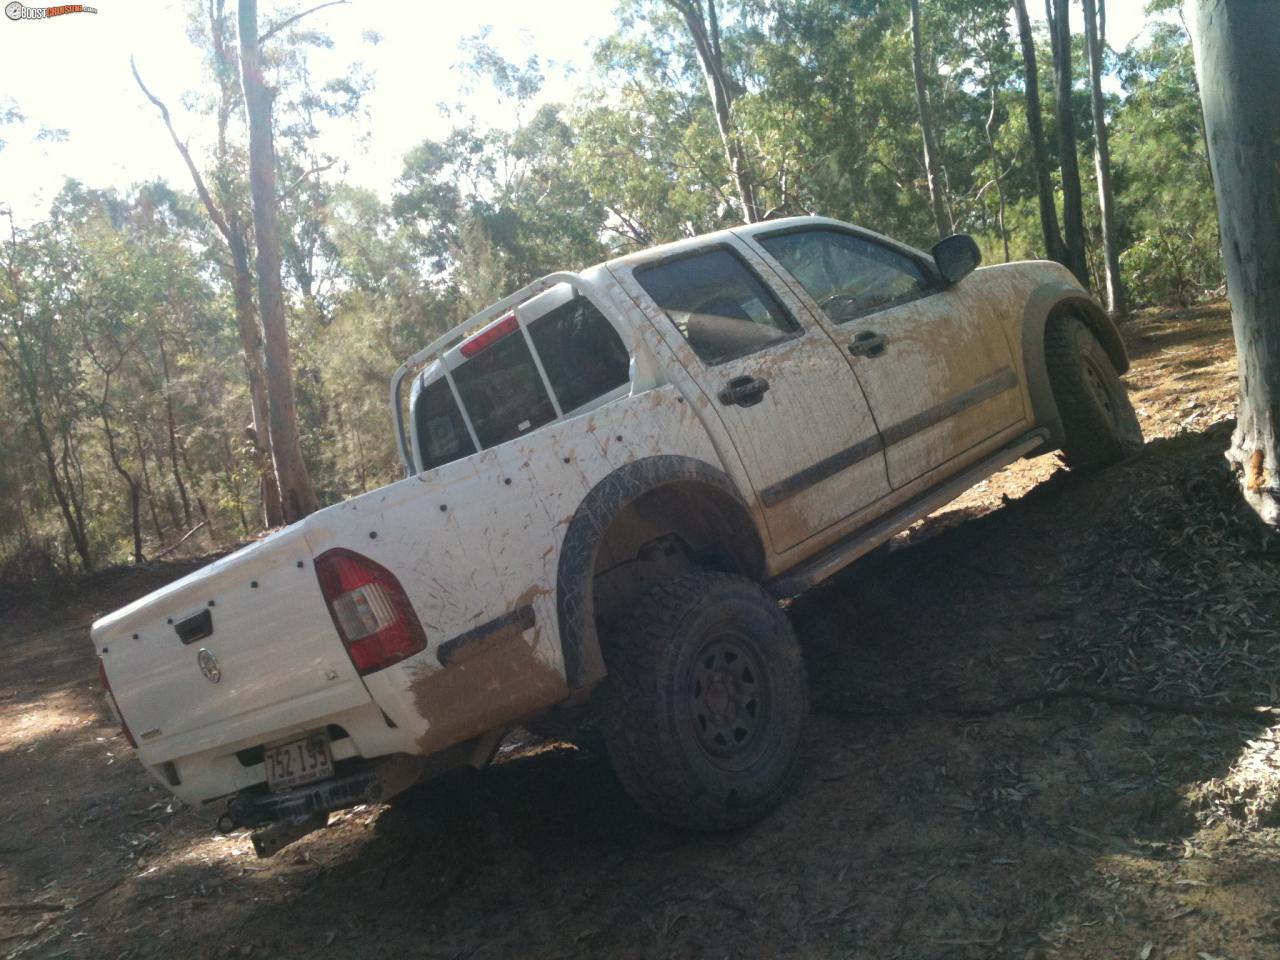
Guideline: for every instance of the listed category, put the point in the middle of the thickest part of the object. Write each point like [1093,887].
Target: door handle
[868,344]
[744,391]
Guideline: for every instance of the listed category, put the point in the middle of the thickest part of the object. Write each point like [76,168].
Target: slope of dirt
[935,819]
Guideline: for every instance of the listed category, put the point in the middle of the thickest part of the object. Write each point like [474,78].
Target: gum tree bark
[297,495]
[1068,162]
[932,159]
[1053,246]
[1094,27]
[234,233]
[1237,49]
[704,28]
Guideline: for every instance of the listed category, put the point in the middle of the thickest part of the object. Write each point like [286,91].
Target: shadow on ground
[1063,829]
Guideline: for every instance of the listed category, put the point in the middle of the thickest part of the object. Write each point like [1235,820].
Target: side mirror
[957,256]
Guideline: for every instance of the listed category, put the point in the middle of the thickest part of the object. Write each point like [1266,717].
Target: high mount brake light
[370,609]
[490,336]
[106,685]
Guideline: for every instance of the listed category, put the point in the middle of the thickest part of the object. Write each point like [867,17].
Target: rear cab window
[559,357]
[720,307]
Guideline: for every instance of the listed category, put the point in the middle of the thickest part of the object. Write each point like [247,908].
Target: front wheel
[1097,418]
[705,702]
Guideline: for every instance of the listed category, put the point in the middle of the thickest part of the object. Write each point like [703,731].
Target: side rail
[454,336]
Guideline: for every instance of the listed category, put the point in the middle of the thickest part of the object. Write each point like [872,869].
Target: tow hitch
[269,840]
[286,817]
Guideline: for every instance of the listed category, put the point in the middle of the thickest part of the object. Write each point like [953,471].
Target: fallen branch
[34,906]
[1114,698]
[64,911]
[168,550]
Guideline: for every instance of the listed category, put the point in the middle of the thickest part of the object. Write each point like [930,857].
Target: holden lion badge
[209,665]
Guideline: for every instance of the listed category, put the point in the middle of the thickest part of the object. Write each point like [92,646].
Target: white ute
[612,478]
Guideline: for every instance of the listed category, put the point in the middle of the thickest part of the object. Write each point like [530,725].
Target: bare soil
[945,812]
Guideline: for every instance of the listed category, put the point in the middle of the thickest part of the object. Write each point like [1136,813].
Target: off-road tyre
[705,702]
[1098,421]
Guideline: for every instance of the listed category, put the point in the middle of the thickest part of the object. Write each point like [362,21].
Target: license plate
[298,761]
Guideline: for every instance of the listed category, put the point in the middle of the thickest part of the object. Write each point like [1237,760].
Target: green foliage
[119,356]
[1164,191]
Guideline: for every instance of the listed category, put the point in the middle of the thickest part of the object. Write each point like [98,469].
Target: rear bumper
[236,767]
[261,809]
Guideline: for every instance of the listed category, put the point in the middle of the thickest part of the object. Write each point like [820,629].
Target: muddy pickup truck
[612,478]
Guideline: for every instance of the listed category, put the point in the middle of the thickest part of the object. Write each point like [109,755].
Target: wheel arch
[689,498]
[1045,302]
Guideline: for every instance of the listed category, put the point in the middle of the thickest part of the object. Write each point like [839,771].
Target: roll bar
[454,336]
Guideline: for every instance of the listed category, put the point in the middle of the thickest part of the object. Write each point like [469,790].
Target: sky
[72,73]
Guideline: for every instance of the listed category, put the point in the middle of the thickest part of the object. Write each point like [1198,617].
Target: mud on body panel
[481,569]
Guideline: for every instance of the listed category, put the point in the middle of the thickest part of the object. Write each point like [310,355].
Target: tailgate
[260,653]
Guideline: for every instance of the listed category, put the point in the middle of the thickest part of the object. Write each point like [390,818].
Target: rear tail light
[115,707]
[489,336]
[370,610]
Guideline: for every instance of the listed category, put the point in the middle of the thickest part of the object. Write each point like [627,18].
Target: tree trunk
[28,381]
[131,484]
[1068,162]
[995,167]
[146,483]
[1237,49]
[171,423]
[65,497]
[228,473]
[705,31]
[251,348]
[236,236]
[1053,245]
[195,488]
[231,226]
[297,496]
[1095,41]
[932,159]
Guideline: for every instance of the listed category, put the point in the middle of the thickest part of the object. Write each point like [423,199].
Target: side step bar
[839,555]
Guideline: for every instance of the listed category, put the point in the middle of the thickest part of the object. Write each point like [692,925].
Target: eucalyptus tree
[1237,47]
[703,23]
[1095,33]
[932,159]
[43,377]
[1055,248]
[1057,12]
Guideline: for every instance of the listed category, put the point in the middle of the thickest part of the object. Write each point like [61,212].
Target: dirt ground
[944,813]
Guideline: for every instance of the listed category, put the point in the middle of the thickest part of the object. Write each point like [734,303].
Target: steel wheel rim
[1098,387]
[729,699]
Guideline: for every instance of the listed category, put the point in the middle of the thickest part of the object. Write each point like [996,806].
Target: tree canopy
[123,359]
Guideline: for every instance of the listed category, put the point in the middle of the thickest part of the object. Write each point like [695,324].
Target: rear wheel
[705,702]
[1097,418]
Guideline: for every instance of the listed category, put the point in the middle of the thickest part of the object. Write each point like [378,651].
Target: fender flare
[575,600]
[1045,301]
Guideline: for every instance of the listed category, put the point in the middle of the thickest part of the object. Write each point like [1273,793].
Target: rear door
[934,363]
[783,390]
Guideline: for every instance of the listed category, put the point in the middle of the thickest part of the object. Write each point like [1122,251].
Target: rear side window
[717,304]
[442,436]
[581,352]
[502,391]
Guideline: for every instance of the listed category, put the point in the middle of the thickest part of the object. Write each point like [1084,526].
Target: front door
[782,389]
[934,363]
